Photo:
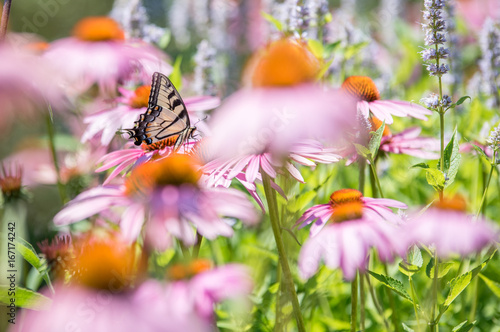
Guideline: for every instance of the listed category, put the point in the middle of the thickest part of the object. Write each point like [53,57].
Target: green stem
[361,179]
[392,302]
[196,248]
[362,301]
[475,289]
[441,123]
[435,320]
[52,145]
[487,184]
[379,308]
[414,298]
[278,317]
[374,172]
[354,303]
[287,274]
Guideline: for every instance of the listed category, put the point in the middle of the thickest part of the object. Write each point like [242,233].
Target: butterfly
[166,116]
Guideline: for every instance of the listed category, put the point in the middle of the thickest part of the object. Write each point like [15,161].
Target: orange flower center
[376,124]
[361,87]
[187,271]
[347,211]
[160,144]
[284,62]
[343,196]
[174,170]
[456,203]
[141,97]
[37,47]
[98,28]
[106,263]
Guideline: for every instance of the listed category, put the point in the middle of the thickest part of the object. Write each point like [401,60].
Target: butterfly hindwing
[165,117]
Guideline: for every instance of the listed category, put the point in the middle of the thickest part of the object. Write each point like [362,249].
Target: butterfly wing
[165,117]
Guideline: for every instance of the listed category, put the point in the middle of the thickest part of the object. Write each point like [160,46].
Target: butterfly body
[165,117]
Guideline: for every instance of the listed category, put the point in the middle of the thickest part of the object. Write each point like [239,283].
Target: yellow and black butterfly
[166,116]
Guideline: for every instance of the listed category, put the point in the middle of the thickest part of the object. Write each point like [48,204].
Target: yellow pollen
[175,170]
[456,203]
[160,144]
[343,196]
[376,124]
[141,97]
[98,28]
[347,211]
[361,87]
[186,271]
[285,62]
[106,263]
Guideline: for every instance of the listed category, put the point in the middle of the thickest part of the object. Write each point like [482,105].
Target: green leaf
[301,201]
[24,298]
[413,262]
[480,151]
[363,151]
[420,165]
[29,254]
[316,48]
[435,178]
[443,269]
[273,20]
[458,284]
[451,159]
[324,69]
[330,48]
[375,140]
[393,284]
[406,328]
[352,50]
[464,326]
[176,76]
[462,99]
[165,39]
[492,285]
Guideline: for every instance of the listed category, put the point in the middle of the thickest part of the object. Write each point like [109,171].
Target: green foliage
[24,298]
[393,284]
[176,75]
[413,262]
[30,255]
[443,269]
[451,159]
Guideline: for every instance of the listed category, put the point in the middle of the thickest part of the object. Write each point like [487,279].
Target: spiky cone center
[455,203]
[140,98]
[106,263]
[361,87]
[343,196]
[182,271]
[11,181]
[98,29]
[174,170]
[376,124]
[59,254]
[347,211]
[285,62]
[160,145]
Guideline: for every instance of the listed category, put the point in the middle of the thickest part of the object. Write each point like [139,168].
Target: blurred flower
[489,40]
[168,194]
[129,106]
[373,208]
[58,254]
[476,15]
[368,96]
[494,139]
[98,54]
[345,242]
[204,58]
[408,142]
[27,83]
[11,181]
[447,226]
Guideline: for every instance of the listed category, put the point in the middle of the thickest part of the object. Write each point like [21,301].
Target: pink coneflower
[27,83]
[129,106]
[447,226]
[168,192]
[282,108]
[345,242]
[363,88]
[98,54]
[372,208]
[11,181]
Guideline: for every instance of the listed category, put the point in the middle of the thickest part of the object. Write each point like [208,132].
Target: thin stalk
[414,298]
[374,172]
[196,248]
[277,320]
[50,131]
[5,18]
[487,184]
[475,289]
[361,178]
[392,302]
[379,308]
[362,301]
[441,122]
[354,303]
[287,274]
[435,320]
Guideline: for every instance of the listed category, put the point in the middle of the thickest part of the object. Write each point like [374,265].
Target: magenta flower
[368,96]
[446,226]
[372,208]
[169,195]
[408,142]
[129,106]
[27,83]
[345,242]
[98,54]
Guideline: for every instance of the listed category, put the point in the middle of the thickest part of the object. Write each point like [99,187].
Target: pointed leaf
[24,298]
[420,165]
[443,269]
[462,99]
[480,151]
[452,159]
[435,178]
[29,254]
[375,140]
[316,48]
[273,20]
[330,48]
[492,285]
[464,327]
[413,262]
[393,284]
[324,69]
[176,76]
[363,151]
